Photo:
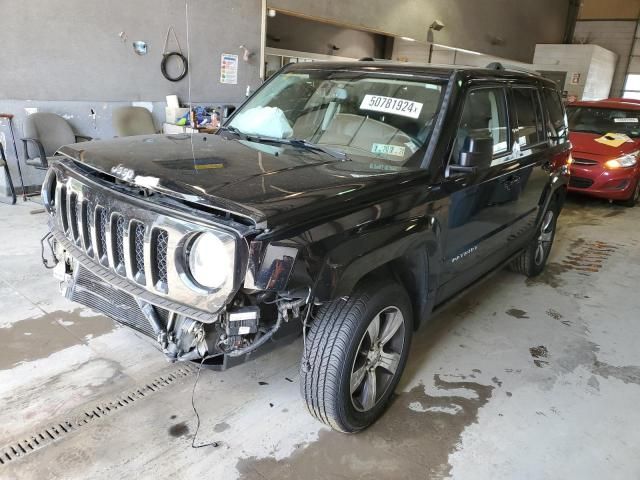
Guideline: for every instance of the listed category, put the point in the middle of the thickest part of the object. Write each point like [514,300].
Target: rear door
[532,158]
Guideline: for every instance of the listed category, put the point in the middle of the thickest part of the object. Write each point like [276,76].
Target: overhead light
[408,39]
[271,13]
[447,47]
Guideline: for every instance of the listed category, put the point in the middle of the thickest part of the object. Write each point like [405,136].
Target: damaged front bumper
[181,338]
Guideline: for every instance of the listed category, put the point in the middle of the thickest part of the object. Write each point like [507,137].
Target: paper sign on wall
[229,68]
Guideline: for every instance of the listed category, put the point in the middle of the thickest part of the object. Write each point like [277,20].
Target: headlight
[624,161]
[211,258]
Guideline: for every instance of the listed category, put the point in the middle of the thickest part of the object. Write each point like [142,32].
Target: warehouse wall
[592,64]
[299,34]
[514,26]
[72,51]
[614,35]
[67,57]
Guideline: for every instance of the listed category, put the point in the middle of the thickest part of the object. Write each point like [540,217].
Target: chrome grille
[116,241]
[133,244]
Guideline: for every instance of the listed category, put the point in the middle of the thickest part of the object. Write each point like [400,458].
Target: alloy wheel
[546,237]
[377,359]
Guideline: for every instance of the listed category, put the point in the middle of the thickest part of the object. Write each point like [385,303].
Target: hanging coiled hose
[166,56]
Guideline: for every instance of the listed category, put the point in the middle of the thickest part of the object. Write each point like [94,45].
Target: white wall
[614,35]
[418,52]
[600,76]
[594,65]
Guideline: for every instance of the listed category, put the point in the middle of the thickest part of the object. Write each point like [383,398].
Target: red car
[605,135]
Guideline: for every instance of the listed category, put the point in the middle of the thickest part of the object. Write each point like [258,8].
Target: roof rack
[512,68]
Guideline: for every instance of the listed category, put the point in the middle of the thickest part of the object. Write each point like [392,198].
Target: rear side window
[557,120]
[529,115]
[484,115]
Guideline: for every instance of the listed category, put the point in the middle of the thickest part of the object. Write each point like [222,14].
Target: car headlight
[211,259]
[624,161]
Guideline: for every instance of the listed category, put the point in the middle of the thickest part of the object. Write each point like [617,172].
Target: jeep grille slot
[118,227]
[86,221]
[160,243]
[73,216]
[63,209]
[101,235]
[136,246]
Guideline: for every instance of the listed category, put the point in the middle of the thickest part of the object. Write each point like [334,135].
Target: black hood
[265,182]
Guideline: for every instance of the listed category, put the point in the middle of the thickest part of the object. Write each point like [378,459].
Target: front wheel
[533,260]
[356,351]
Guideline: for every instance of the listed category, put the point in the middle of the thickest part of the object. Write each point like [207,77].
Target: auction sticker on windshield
[395,106]
[625,120]
[383,149]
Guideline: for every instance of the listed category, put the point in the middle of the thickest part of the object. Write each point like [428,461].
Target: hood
[584,144]
[263,182]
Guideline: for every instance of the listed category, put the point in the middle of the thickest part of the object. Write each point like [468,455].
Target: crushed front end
[145,261]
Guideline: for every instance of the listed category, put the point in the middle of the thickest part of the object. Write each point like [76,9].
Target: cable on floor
[193,405]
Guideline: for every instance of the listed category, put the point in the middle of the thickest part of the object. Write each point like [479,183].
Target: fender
[405,250]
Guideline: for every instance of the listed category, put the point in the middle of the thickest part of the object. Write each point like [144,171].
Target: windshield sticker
[384,149]
[625,120]
[613,139]
[395,106]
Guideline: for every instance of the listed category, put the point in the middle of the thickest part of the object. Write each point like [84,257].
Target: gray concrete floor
[521,379]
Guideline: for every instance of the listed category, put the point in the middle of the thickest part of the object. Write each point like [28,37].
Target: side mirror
[476,154]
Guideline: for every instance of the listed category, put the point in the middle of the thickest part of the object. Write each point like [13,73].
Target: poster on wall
[229,68]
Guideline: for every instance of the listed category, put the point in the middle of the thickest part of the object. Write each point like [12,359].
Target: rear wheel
[534,258]
[635,196]
[356,351]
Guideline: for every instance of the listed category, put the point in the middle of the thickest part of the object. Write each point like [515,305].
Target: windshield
[362,115]
[604,120]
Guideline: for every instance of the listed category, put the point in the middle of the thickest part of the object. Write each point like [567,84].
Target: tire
[534,258]
[635,196]
[338,344]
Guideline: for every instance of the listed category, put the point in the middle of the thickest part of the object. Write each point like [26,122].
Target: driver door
[481,204]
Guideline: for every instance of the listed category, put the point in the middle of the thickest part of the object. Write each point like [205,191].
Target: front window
[484,115]
[604,120]
[360,114]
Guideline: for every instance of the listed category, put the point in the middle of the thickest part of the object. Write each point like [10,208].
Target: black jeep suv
[345,201]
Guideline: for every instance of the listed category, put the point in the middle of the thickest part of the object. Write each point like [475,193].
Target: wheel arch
[409,261]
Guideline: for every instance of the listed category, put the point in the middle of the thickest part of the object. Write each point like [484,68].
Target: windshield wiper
[301,143]
[295,142]
[235,131]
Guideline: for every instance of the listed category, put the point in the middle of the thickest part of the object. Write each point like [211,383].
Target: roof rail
[513,68]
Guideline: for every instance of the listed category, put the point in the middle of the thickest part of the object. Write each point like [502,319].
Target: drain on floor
[59,429]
